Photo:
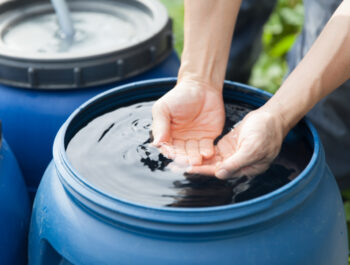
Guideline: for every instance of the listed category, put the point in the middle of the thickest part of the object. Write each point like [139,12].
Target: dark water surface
[113,153]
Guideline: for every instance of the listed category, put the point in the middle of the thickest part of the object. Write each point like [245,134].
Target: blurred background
[280,32]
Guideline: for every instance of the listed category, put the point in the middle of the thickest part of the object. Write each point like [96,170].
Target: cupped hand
[248,149]
[187,120]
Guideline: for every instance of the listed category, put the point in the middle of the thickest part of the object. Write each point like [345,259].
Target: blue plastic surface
[75,223]
[31,118]
[14,210]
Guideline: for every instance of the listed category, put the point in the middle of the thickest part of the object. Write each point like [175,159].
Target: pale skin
[188,118]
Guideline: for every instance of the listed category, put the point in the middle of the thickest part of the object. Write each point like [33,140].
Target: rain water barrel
[76,221]
[14,209]
[43,78]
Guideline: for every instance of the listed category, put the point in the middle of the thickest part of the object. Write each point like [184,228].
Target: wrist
[193,74]
[205,65]
[189,80]
[276,120]
[289,105]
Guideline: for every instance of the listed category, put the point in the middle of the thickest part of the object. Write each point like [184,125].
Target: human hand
[187,120]
[248,149]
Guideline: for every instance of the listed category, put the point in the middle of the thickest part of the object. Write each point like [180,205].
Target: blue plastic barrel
[38,91]
[33,117]
[14,210]
[74,222]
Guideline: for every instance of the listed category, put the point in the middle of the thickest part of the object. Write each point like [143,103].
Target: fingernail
[222,174]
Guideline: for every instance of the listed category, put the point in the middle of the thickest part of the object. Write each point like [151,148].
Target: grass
[280,32]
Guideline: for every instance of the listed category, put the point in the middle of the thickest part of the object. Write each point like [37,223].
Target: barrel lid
[114,39]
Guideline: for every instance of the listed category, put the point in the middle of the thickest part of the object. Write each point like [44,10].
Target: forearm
[208,33]
[323,69]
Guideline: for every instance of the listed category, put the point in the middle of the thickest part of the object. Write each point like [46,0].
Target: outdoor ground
[280,32]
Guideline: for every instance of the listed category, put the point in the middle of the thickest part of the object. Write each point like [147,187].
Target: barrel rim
[107,204]
[81,70]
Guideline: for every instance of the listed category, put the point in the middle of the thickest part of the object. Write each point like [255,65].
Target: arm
[189,117]
[325,67]
[207,38]
[257,140]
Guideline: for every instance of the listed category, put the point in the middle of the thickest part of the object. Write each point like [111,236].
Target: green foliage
[280,32]
[176,12]
[279,35]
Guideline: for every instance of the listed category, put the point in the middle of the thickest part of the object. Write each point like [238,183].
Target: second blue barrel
[14,209]
[44,77]
[82,219]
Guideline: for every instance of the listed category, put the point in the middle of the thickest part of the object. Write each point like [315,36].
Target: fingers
[225,147]
[160,124]
[187,151]
[181,169]
[241,164]
[232,165]
[192,150]
[206,148]
[202,170]
[167,150]
[208,167]
[180,152]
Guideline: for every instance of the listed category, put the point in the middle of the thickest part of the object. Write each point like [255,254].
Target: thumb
[160,124]
[232,165]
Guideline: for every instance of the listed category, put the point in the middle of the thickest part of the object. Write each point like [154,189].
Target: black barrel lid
[115,39]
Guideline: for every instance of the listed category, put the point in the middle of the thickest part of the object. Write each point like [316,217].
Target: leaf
[283,46]
[292,16]
[274,25]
